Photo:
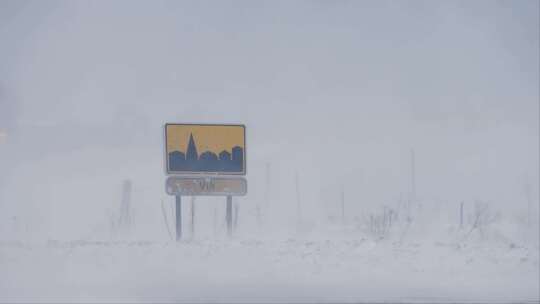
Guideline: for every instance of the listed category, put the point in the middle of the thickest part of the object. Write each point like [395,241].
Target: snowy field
[391,151]
[346,270]
[66,247]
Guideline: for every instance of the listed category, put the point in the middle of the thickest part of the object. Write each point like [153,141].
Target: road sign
[206,186]
[205,149]
[195,154]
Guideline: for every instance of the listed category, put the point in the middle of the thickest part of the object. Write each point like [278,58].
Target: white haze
[336,92]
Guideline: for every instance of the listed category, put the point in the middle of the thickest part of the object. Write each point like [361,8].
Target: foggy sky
[339,91]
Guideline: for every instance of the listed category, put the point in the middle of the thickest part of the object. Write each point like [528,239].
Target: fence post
[461,215]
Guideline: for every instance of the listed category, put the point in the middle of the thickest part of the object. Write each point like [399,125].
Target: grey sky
[433,60]
[456,80]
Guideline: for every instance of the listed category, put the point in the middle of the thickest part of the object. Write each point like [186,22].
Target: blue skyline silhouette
[207,161]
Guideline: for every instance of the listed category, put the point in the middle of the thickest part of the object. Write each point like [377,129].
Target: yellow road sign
[205,149]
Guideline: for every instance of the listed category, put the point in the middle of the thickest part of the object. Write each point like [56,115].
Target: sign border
[200,173]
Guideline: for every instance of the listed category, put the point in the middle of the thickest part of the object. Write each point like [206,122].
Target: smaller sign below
[206,186]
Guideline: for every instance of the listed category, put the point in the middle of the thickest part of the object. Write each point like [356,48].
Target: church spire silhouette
[207,161]
[191,153]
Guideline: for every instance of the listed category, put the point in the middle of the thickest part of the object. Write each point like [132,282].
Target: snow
[336,97]
[246,270]
[64,249]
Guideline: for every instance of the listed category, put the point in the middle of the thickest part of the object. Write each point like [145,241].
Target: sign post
[205,160]
[178,210]
[229,215]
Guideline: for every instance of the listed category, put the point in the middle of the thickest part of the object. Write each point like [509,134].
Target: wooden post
[266,196]
[413,176]
[461,215]
[527,189]
[342,205]
[298,205]
[125,214]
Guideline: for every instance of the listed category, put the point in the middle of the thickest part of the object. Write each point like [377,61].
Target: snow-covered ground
[391,146]
[288,270]
[58,244]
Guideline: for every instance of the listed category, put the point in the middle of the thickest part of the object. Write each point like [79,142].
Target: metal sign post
[178,217]
[205,160]
[229,215]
